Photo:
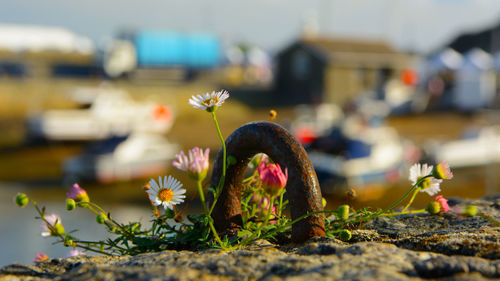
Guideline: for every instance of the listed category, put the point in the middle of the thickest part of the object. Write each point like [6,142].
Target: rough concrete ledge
[413,247]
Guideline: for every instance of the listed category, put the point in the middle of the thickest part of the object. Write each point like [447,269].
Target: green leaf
[144,241]
[243,233]
[231,160]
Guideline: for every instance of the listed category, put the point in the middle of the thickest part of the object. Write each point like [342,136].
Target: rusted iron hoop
[302,187]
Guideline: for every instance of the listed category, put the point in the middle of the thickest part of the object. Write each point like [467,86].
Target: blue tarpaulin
[164,49]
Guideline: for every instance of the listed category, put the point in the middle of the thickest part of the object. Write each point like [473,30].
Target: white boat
[111,113]
[384,161]
[354,149]
[476,149]
[139,155]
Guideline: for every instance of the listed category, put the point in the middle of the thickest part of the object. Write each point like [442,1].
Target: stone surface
[449,234]
[411,247]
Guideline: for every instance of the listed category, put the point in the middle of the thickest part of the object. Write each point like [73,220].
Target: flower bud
[443,202]
[256,198]
[345,235]
[263,203]
[272,177]
[59,229]
[22,200]
[101,218]
[51,226]
[351,194]
[70,204]
[40,257]
[433,208]
[272,114]
[470,210]
[69,242]
[442,171]
[343,212]
[78,194]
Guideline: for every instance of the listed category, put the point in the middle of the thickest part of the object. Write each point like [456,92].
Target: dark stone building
[312,71]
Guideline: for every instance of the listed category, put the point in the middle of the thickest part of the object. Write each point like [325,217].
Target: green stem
[403,213]
[281,228]
[93,210]
[250,178]
[269,211]
[51,228]
[266,220]
[202,195]
[90,243]
[92,250]
[216,196]
[411,199]
[210,223]
[223,177]
[216,235]
[91,206]
[419,181]
[280,206]
[223,148]
[363,219]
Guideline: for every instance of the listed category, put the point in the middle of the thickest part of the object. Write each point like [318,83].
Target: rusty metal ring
[302,187]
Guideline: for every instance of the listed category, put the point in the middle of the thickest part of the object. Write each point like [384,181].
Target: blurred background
[368,87]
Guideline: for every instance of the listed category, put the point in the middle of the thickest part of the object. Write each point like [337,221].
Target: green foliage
[263,216]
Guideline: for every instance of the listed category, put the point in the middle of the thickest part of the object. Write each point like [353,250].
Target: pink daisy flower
[196,165]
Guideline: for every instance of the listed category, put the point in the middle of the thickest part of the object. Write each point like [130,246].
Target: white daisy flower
[430,184]
[167,193]
[209,101]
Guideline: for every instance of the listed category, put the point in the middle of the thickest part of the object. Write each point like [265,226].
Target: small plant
[263,205]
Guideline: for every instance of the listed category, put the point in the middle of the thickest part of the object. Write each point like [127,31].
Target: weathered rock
[413,247]
[449,234]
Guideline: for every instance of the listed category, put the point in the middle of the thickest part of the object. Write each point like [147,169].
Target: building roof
[350,45]
[356,53]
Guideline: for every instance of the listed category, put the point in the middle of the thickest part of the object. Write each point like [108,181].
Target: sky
[417,25]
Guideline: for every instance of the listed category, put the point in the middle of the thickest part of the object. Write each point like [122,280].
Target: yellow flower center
[165,194]
[425,183]
[207,101]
